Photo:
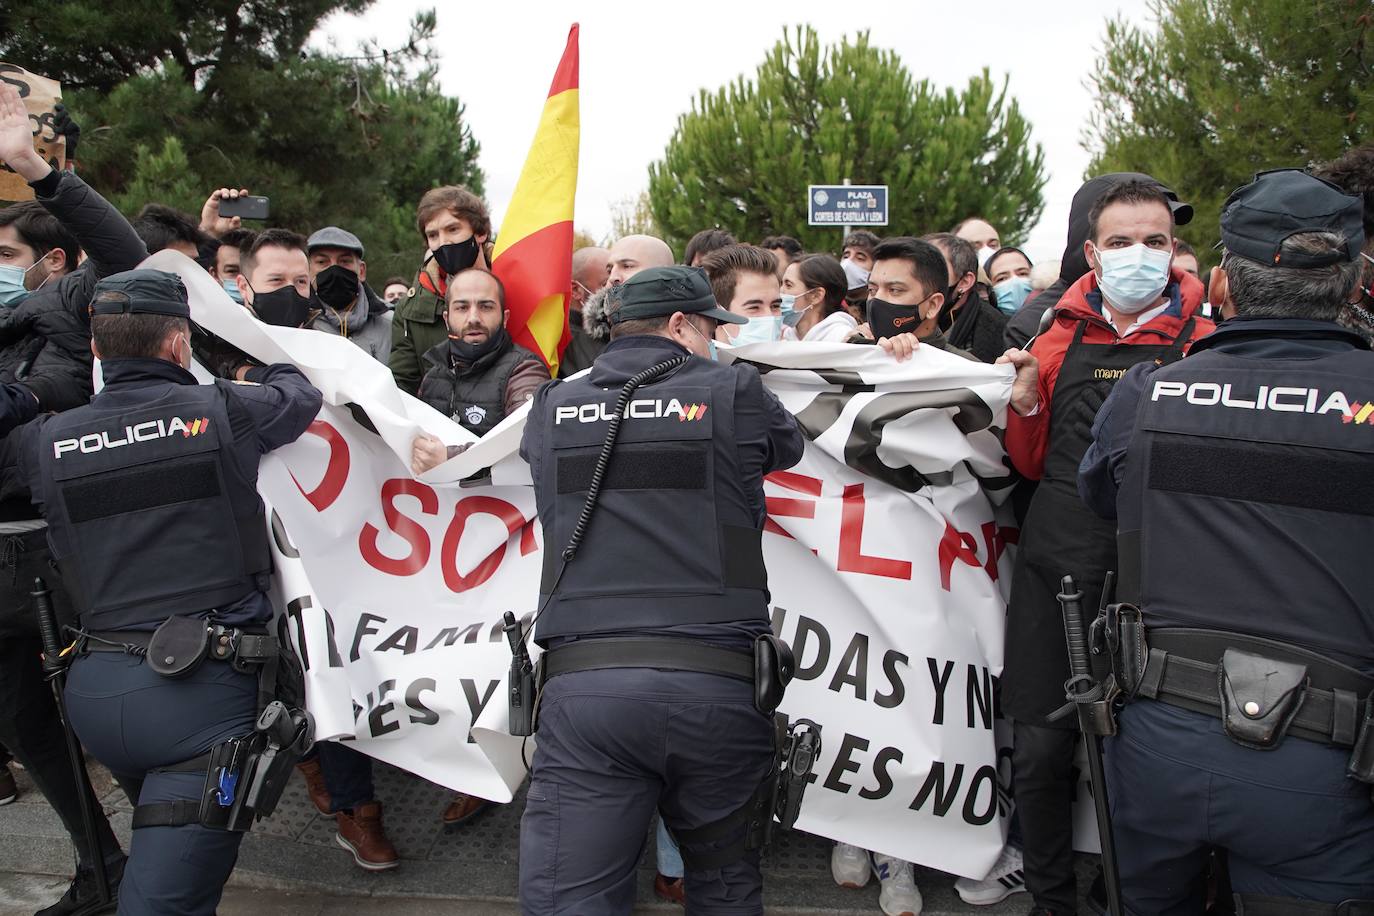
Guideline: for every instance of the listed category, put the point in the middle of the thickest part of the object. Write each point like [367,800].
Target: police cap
[658,292]
[1259,217]
[141,292]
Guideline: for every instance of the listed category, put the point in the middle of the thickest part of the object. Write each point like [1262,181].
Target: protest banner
[887,564]
[40,96]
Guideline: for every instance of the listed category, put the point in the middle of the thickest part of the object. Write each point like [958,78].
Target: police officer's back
[666,583]
[153,515]
[1244,514]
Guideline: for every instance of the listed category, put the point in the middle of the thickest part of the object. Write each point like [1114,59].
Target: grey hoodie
[367,323]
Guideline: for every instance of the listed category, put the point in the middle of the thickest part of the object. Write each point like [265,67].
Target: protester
[971,322]
[1274,498]
[343,303]
[1186,259]
[590,266]
[745,282]
[454,224]
[981,236]
[783,247]
[274,279]
[705,242]
[394,290]
[813,291]
[858,250]
[164,227]
[45,293]
[627,257]
[1354,172]
[229,260]
[1131,306]
[1009,273]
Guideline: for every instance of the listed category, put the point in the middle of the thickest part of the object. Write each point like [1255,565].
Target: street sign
[846,204]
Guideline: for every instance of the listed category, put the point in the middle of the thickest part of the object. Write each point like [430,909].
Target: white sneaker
[899,896]
[1006,878]
[849,865]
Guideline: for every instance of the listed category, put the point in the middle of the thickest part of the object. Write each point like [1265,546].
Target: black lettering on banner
[475,704]
[941,681]
[420,713]
[450,635]
[855,657]
[294,608]
[980,698]
[885,756]
[331,640]
[843,764]
[986,774]
[806,629]
[407,639]
[891,659]
[376,721]
[282,539]
[365,628]
[935,784]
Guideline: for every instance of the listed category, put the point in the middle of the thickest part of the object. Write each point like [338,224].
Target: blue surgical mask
[1011,293]
[232,288]
[791,315]
[12,288]
[1133,278]
[759,330]
[710,344]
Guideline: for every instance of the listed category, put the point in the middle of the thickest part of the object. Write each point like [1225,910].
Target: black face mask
[283,307]
[336,286]
[465,352]
[457,256]
[888,320]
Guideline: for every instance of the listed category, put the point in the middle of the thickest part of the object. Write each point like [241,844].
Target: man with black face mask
[344,303]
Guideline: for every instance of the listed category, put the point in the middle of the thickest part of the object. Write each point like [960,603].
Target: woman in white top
[813,291]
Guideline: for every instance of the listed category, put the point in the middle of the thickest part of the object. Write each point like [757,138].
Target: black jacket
[978,328]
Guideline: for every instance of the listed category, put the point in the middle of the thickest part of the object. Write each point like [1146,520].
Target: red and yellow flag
[533,255]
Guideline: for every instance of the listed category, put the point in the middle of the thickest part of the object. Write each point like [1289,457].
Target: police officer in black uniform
[1240,477]
[668,584]
[154,516]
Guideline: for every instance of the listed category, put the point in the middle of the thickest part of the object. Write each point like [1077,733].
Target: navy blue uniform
[137,462]
[1239,480]
[673,550]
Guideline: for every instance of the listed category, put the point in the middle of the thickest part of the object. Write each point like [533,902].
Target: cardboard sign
[40,95]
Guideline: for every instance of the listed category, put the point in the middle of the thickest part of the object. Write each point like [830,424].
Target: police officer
[1244,511]
[668,584]
[153,516]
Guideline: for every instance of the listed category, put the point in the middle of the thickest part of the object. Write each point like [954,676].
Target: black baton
[55,670]
[1087,696]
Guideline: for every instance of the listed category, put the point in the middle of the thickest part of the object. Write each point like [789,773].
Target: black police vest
[476,398]
[673,540]
[1248,503]
[148,514]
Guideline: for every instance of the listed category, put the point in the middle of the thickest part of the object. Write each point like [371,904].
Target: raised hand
[210,220]
[16,137]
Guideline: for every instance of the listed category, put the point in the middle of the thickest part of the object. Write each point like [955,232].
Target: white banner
[886,558]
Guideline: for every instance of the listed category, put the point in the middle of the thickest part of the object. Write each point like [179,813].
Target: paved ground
[292,865]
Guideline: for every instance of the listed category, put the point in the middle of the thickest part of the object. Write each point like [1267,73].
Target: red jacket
[1028,437]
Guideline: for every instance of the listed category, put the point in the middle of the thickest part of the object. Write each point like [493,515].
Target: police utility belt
[1262,690]
[245,776]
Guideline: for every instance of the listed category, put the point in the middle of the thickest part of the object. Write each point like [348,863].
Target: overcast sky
[643,63]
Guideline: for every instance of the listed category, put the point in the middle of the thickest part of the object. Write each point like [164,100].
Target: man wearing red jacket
[1132,306]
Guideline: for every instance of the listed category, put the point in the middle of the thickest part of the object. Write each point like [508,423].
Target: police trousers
[134,720]
[1292,822]
[613,745]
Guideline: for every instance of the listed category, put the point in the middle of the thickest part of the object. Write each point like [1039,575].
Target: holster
[1119,632]
[178,646]
[774,665]
[1260,697]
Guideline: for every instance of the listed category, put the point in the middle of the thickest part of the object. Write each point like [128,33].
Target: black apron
[1061,536]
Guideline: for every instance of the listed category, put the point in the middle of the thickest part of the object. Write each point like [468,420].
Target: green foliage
[634,216]
[743,156]
[351,141]
[1220,89]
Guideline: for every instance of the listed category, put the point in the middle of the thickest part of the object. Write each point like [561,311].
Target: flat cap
[1259,217]
[141,292]
[334,237]
[657,292]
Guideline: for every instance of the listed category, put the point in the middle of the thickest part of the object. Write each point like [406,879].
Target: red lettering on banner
[852,557]
[410,530]
[335,474]
[783,507]
[963,547]
[465,509]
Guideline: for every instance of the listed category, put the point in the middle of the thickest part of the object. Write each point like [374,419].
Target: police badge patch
[474,414]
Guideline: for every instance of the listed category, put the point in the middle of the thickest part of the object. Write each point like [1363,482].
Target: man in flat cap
[345,304]
[651,606]
[153,515]
[1239,481]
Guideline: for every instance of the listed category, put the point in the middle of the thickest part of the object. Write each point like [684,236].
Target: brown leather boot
[462,808]
[670,889]
[361,833]
[314,784]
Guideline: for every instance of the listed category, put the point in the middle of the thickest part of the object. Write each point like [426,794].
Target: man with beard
[627,257]
[345,305]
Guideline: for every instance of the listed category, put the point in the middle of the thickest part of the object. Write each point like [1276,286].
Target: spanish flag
[533,255]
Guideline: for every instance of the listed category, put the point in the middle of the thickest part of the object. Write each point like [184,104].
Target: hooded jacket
[1028,437]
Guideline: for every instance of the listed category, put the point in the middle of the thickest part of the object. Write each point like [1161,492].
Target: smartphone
[245,207]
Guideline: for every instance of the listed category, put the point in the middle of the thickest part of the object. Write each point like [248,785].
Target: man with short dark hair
[972,323]
[745,282]
[229,260]
[161,226]
[783,247]
[703,243]
[344,304]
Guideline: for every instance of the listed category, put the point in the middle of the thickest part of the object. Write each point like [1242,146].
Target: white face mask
[1133,278]
[984,252]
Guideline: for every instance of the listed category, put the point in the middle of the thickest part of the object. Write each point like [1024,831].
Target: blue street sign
[846,205]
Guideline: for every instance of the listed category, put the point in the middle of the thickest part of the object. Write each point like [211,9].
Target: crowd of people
[1126,291]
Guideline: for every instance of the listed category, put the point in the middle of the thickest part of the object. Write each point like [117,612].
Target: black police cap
[1259,217]
[141,292]
[657,292]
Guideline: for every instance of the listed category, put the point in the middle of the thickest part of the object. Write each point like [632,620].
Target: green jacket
[418,326]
